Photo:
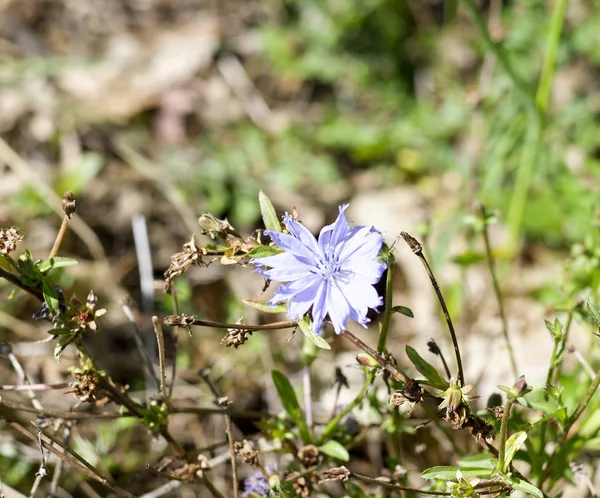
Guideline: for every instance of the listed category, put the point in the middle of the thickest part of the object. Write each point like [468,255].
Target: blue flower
[256,484]
[333,276]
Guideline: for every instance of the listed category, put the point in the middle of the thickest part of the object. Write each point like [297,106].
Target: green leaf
[306,327]
[335,450]
[468,258]
[403,310]
[430,373]
[264,251]
[483,460]
[50,296]
[513,443]
[290,403]
[56,262]
[269,215]
[63,342]
[448,473]
[594,314]
[261,305]
[524,486]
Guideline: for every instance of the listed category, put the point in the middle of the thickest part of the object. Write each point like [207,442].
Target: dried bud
[308,455]
[9,237]
[245,450]
[236,337]
[412,393]
[413,243]
[301,486]
[181,261]
[334,474]
[433,347]
[69,204]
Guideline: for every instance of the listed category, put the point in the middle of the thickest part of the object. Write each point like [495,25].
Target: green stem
[497,291]
[569,424]
[387,314]
[521,86]
[542,95]
[504,434]
[332,425]
[525,173]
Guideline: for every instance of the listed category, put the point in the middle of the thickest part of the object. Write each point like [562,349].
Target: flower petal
[336,232]
[364,244]
[284,267]
[302,233]
[291,244]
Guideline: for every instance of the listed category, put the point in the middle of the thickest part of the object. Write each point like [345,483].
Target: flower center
[330,265]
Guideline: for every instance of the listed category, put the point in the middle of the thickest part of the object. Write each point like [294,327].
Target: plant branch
[417,249]
[387,314]
[492,267]
[188,321]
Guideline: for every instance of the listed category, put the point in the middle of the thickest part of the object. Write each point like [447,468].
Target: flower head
[332,276]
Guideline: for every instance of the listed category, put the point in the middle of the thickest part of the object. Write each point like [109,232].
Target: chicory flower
[332,276]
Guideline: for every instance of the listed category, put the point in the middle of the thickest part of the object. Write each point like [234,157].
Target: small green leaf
[269,215]
[56,262]
[448,473]
[483,460]
[306,327]
[468,258]
[430,373]
[290,403]
[403,310]
[335,450]
[50,296]
[264,251]
[594,314]
[63,342]
[524,486]
[261,305]
[513,443]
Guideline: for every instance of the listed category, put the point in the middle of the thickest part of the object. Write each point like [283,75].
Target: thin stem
[307,395]
[492,267]
[417,249]
[521,86]
[504,434]
[224,403]
[569,424]
[481,486]
[396,374]
[13,279]
[542,96]
[160,340]
[333,423]
[72,458]
[34,387]
[184,322]
[387,314]
[59,237]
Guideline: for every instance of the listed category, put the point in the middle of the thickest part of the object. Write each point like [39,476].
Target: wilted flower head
[9,237]
[333,276]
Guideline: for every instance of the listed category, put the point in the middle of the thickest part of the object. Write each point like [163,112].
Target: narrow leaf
[264,251]
[56,262]
[335,450]
[430,373]
[513,443]
[448,473]
[468,258]
[403,310]
[50,296]
[306,327]
[269,215]
[290,403]
[594,314]
[261,305]
[524,486]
